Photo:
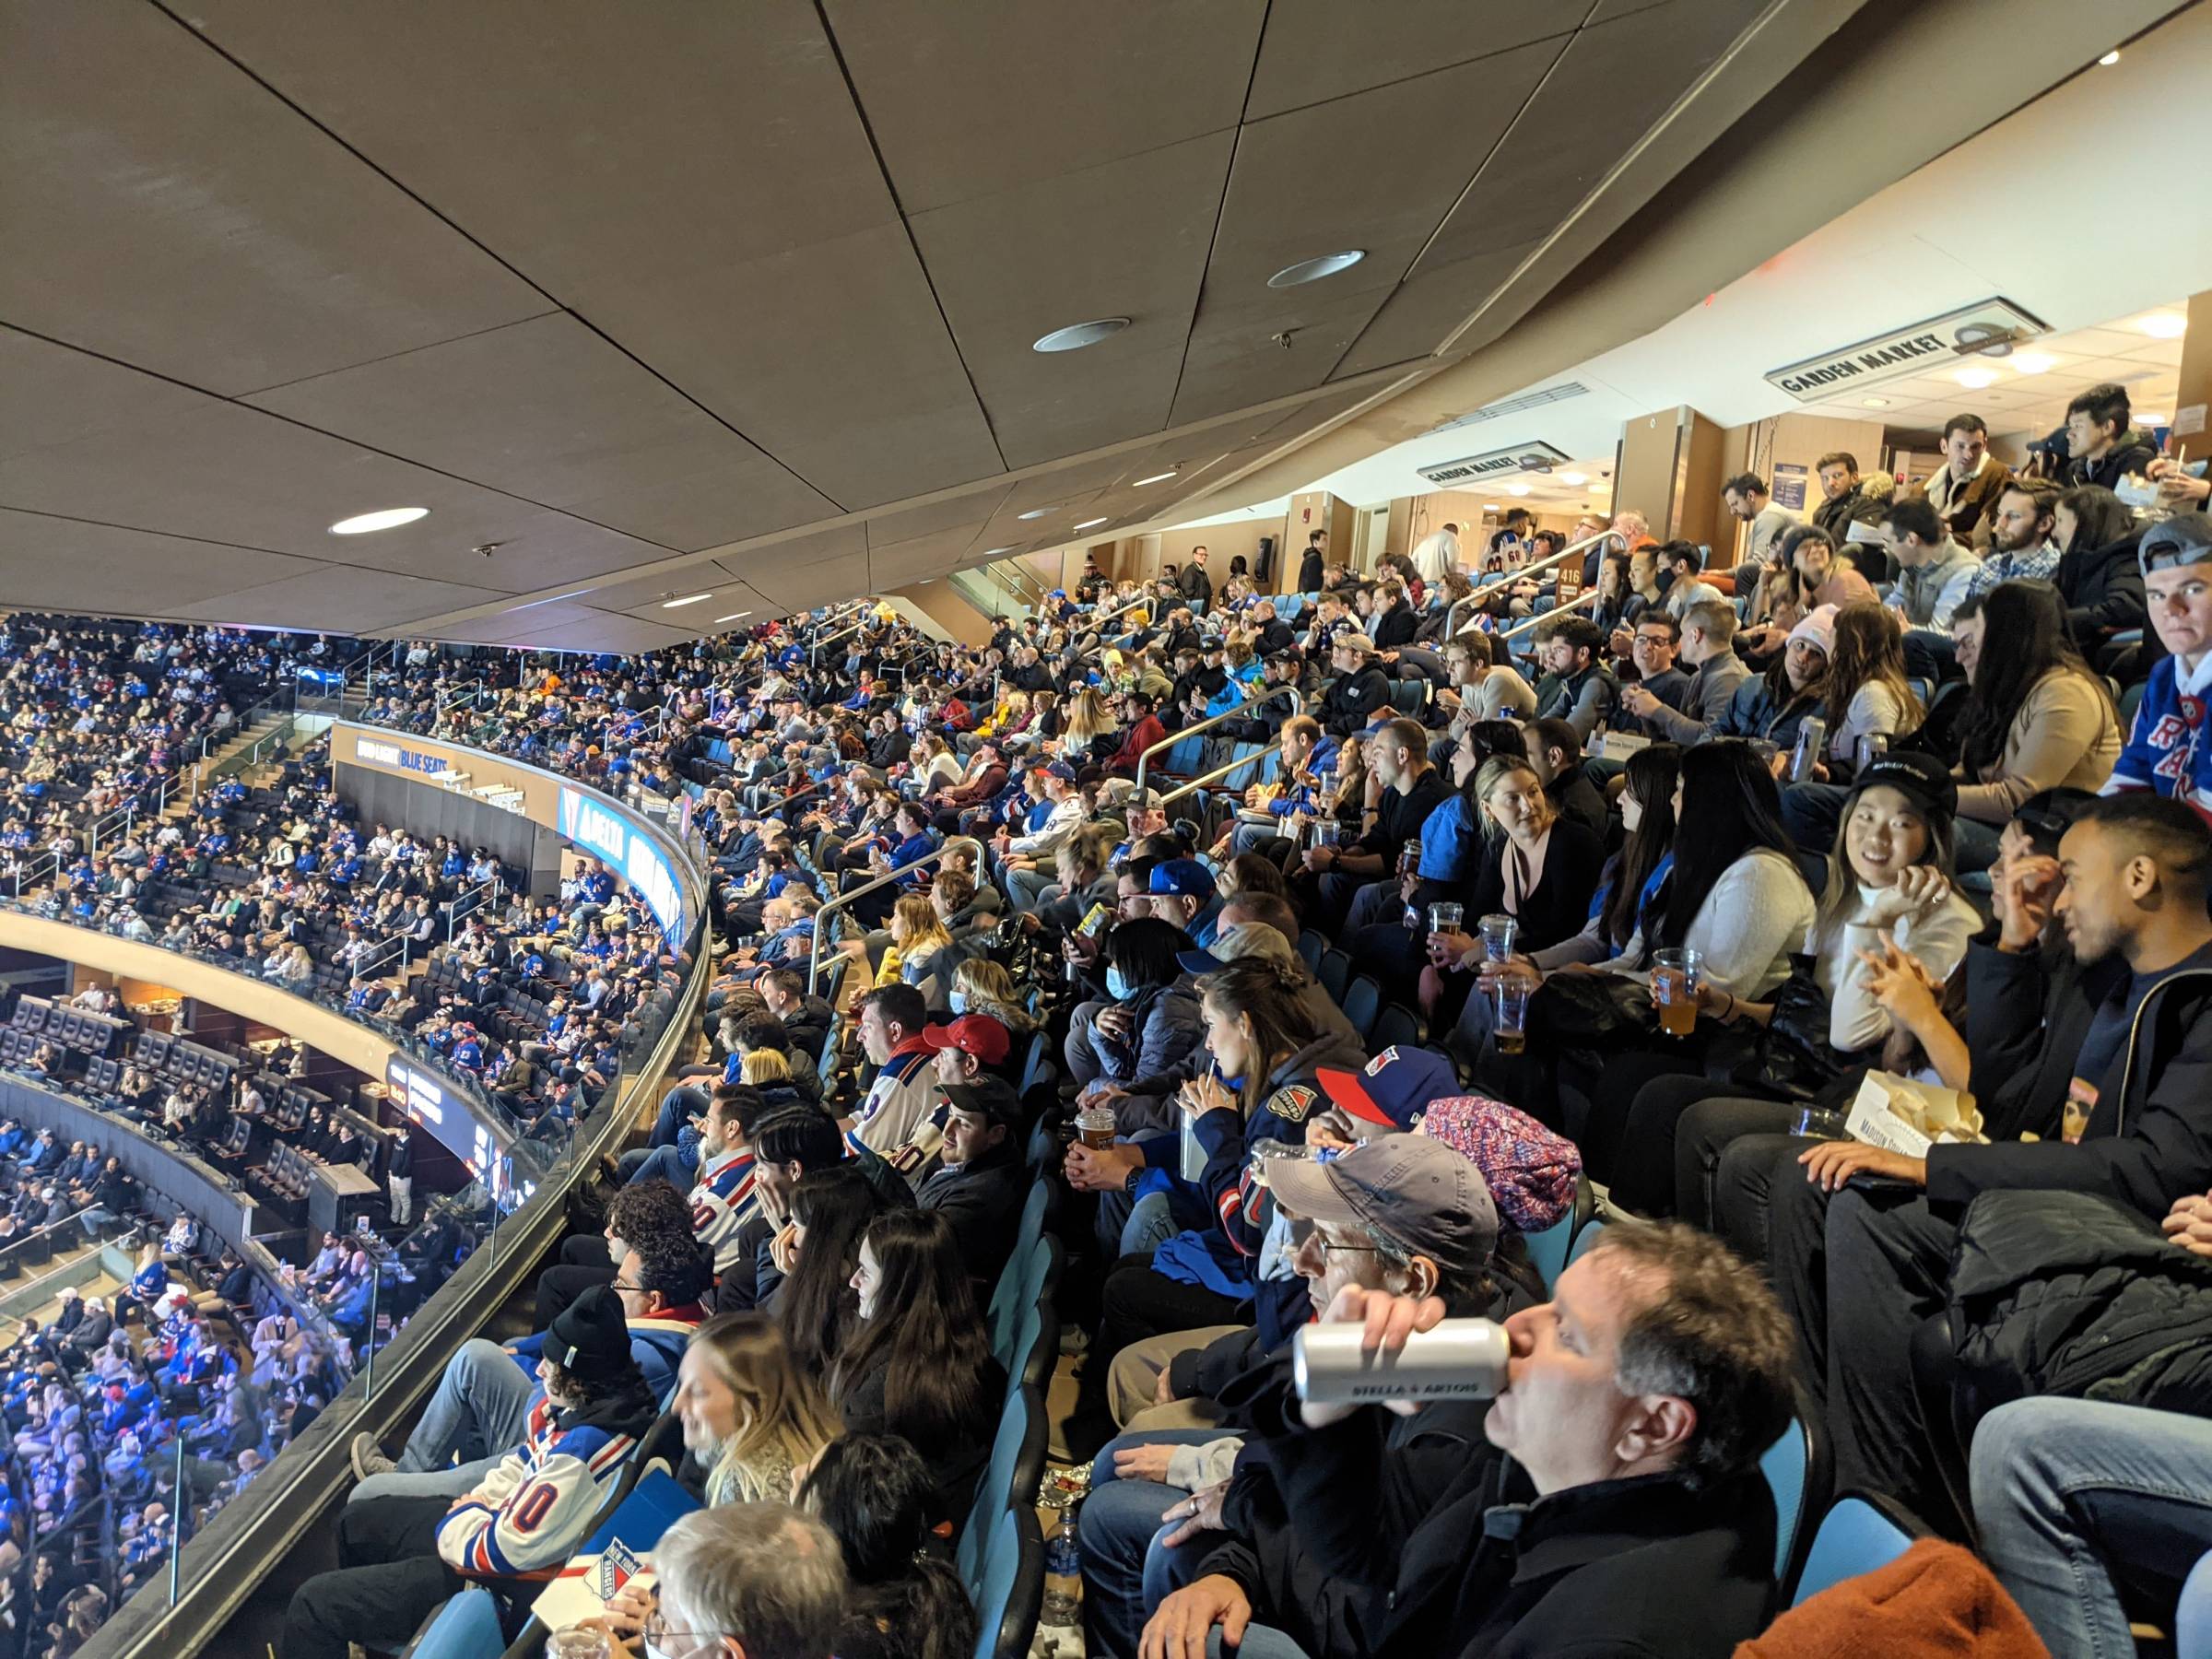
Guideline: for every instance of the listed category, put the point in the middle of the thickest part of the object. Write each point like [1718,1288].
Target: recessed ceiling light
[1090,524]
[1876,402]
[1573,478]
[389,518]
[2108,59]
[1157,477]
[1489,506]
[1516,490]
[1313,270]
[995,552]
[2164,325]
[2150,420]
[1975,378]
[1076,336]
[1034,512]
[2033,362]
[687,599]
[734,615]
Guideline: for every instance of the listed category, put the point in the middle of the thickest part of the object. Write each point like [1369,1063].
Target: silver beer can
[1460,1359]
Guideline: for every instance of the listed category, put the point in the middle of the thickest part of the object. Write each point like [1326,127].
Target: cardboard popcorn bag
[1908,1117]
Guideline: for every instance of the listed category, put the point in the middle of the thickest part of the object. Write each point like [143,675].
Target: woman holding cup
[1528,884]
[1496,846]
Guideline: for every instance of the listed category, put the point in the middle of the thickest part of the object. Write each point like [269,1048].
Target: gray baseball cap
[1412,1191]
[2184,539]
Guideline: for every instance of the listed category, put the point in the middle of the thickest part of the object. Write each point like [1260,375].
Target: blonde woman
[762,1068]
[750,1414]
[752,1419]
[982,986]
[935,764]
[922,949]
[1087,722]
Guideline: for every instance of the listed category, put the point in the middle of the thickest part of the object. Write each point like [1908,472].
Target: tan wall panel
[312,1024]
[942,604]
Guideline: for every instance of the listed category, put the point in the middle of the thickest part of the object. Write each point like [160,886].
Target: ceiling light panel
[387,517]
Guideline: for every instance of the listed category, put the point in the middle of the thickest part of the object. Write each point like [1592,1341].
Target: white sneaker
[369,1458]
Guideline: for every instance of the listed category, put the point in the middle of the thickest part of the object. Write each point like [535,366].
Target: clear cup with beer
[1513,987]
[1675,975]
[1094,1127]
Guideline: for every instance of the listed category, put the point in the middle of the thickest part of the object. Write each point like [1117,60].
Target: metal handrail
[1095,624]
[1015,577]
[471,900]
[1298,706]
[842,901]
[1553,615]
[814,651]
[31,872]
[1525,571]
[1200,782]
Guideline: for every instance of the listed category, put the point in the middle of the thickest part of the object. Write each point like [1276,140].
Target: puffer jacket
[2076,1295]
[2102,589]
[1157,1060]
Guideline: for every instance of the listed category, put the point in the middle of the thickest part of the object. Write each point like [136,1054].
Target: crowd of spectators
[1535,896]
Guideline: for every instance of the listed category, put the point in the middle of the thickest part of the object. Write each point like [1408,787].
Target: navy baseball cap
[1392,1088]
[1060,769]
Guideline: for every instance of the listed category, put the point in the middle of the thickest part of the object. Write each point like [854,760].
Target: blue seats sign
[628,851]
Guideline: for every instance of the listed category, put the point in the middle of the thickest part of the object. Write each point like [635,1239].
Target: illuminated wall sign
[392,754]
[430,1101]
[628,851]
[1523,457]
[1932,343]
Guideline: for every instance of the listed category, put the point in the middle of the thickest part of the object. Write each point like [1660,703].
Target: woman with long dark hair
[1868,693]
[918,1363]
[2036,716]
[1736,897]
[829,1211]
[2098,578]
[905,1602]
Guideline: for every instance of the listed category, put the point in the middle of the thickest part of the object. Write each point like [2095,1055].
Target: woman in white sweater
[1736,896]
[1889,882]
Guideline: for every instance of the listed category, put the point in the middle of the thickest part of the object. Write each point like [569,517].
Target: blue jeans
[1976,845]
[479,1413]
[2066,1490]
[679,1106]
[1125,1577]
[659,1163]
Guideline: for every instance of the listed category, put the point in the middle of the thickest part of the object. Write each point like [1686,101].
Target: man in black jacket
[1637,1403]
[1315,562]
[1862,1247]
[1358,882]
[1193,582]
[2102,446]
[806,1019]
[1360,692]
[982,1182]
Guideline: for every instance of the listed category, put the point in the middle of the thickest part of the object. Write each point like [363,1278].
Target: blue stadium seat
[1310,946]
[1586,1236]
[1362,1002]
[1788,1466]
[1009,1480]
[1858,1534]
[1334,973]
[1396,1026]
[1011,1588]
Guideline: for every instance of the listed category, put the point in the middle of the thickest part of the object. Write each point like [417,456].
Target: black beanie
[590,1337]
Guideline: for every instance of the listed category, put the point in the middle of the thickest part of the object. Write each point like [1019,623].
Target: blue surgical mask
[959,1002]
[1117,986]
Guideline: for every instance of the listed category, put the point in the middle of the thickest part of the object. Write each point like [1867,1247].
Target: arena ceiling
[645,301]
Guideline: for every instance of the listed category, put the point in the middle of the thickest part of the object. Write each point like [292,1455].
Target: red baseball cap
[976,1034]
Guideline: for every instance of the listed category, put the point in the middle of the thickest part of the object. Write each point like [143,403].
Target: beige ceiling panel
[503,628]
[1430,305]
[730,599]
[52,395]
[924,556]
[802,584]
[1125,239]
[971,507]
[699,576]
[162,208]
[64,564]
[550,411]
[833,542]
[341,599]
[223,472]
[1317,50]
[1556,153]
[603,631]
[1305,184]
[693,180]
[981,96]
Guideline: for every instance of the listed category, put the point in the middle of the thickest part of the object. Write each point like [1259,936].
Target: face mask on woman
[1117,984]
[959,1002]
